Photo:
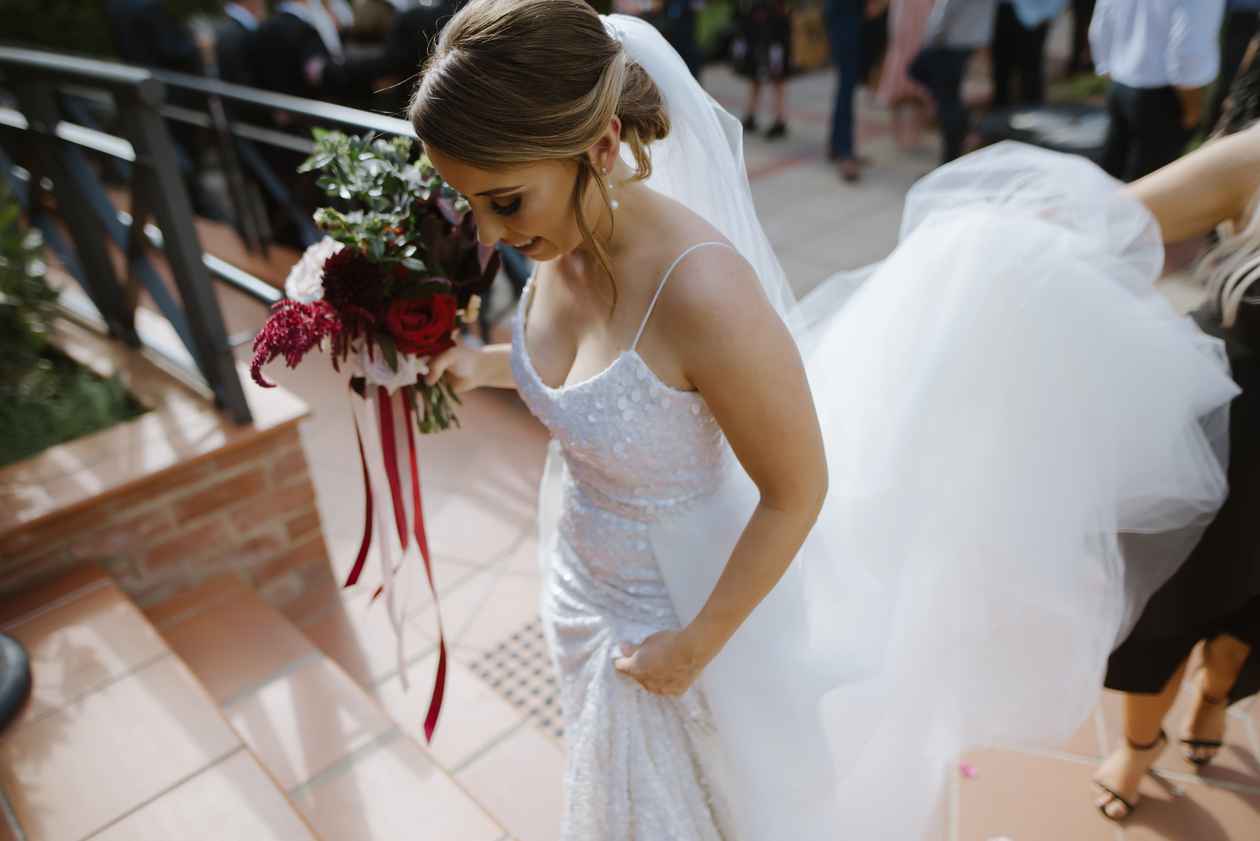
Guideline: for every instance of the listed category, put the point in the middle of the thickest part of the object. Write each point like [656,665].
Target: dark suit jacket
[146,34]
[233,47]
[282,47]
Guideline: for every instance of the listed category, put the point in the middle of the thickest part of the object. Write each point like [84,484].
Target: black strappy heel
[1191,747]
[1129,807]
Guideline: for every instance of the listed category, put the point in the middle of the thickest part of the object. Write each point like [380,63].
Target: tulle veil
[1023,439]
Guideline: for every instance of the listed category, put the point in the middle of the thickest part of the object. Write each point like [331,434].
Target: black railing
[50,153]
[71,125]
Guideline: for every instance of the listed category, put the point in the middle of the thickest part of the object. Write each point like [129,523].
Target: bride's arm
[739,354]
[468,368]
[1191,196]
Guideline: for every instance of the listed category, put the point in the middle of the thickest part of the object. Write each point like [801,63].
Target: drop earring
[612,202]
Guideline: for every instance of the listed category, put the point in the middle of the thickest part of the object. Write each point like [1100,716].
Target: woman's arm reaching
[1215,183]
[468,368]
[739,354]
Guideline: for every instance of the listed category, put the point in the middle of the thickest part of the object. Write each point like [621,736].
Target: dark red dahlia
[353,282]
[292,331]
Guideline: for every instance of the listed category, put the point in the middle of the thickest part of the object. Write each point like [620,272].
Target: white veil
[993,431]
[701,163]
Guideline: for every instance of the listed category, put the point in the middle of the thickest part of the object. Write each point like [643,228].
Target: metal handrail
[71,100]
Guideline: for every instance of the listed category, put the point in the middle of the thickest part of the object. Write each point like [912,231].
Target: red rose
[422,327]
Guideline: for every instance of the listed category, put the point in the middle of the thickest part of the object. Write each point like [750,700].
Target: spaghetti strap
[661,285]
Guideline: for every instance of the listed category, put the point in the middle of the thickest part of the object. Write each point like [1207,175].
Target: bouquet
[397,276]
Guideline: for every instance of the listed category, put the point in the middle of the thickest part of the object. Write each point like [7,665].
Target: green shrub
[45,397]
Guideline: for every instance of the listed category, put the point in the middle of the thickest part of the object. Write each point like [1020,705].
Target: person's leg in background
[941,71]
[1159,131]
[1082,14]
[778,63]
[1117,147]
[1007,37]
[750,111]
[1240,28]
[1031,59]
[844,23]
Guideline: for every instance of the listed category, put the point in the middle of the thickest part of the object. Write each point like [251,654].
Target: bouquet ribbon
[388,407]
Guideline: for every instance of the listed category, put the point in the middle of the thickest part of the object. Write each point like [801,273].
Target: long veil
[1023,440]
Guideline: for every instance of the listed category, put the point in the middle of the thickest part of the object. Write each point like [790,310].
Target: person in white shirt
[1160,55]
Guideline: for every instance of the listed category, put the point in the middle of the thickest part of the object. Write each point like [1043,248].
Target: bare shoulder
[711,280]
[714,298]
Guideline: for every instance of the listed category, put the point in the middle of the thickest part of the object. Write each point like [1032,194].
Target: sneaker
[750,123]
[779,129]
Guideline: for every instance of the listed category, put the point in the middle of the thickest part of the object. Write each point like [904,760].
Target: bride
[797,558]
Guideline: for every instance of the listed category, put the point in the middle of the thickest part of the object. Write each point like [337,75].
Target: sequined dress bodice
[636,449]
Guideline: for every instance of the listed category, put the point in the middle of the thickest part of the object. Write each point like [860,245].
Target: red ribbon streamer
[391,462]
[366,541]
[390,453]
[439,682]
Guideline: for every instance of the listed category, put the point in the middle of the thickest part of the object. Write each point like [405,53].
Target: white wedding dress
[1022,440]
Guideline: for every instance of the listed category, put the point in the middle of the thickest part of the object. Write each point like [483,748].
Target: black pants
[1240,28]
[1018,51]
[1082,14]
[941,71]
[1146,131]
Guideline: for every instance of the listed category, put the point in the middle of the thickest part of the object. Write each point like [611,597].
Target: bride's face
[528,207]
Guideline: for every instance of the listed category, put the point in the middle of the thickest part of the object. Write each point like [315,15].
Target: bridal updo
[515,82]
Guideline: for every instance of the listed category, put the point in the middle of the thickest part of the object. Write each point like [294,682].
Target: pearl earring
[612,202]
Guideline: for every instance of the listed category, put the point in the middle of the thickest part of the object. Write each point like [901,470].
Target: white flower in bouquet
[305,282]
[375,369]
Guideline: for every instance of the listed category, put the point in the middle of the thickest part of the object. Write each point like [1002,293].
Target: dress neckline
[564,388]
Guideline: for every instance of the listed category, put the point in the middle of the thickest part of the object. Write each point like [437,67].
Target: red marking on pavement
[781,165]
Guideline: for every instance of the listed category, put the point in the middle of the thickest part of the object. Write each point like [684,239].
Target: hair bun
[641,109]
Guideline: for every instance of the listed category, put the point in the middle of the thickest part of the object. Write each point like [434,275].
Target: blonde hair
[515,82]
[1232,266]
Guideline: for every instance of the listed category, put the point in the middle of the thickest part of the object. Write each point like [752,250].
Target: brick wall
[248,510]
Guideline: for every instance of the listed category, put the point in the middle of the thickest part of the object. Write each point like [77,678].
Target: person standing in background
[908,100]
[1160,55]
[233,40]
[955,30]
[762,52]
[677,22]
[1019,49]
[844,20]
[1212,603]
[1242,21]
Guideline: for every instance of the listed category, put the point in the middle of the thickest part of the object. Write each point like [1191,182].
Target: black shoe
[750,123]
[779,129]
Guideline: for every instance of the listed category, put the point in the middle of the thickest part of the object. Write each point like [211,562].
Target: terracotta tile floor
[119,740]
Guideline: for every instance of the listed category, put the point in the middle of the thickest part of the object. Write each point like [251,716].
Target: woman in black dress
[1213,602]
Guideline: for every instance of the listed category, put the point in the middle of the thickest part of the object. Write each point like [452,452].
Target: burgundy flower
[353,281]
[422,326]
[292,331]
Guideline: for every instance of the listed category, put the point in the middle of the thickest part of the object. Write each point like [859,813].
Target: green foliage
[45,398]
[393,193]
[27,303]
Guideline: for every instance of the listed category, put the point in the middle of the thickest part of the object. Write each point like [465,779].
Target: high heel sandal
[1193,749]
[1129,807]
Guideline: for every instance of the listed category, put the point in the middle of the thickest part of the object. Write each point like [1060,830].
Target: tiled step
[119,740]
[351,770]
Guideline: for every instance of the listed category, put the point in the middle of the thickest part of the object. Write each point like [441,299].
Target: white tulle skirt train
[1024,440]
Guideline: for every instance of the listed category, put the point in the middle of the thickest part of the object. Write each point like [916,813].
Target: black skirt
[762,47]
[1217,590]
